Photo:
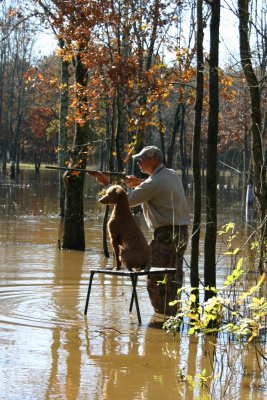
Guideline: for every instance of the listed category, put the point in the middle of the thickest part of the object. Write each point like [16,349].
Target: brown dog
[127,239]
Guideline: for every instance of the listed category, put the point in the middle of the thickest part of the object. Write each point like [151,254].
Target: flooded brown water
[50,350]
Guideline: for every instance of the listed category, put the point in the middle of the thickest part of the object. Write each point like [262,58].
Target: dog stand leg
[134,298]
[89,291]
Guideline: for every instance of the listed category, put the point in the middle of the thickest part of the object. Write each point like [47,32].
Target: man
[166,212]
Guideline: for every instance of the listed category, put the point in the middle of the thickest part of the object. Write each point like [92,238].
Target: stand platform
[133,276]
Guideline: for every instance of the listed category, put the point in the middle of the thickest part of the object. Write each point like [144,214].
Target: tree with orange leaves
[114,50]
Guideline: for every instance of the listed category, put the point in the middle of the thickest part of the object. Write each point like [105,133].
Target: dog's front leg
[116,249]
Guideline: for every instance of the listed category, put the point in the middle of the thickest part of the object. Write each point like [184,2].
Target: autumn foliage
[139,67]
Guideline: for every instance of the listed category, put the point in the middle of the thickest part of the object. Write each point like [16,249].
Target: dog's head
[113,194]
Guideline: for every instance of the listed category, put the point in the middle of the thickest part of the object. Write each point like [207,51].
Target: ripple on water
[44,307]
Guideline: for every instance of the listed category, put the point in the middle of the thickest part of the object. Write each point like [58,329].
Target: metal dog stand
[133,276]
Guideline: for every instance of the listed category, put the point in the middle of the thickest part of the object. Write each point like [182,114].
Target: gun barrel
[120,175]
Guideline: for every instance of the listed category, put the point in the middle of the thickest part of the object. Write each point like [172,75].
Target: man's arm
[100,178]
[132,181]
[144,189]
[143,193]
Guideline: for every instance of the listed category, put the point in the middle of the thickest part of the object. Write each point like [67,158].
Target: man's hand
[131,181]
[101,178]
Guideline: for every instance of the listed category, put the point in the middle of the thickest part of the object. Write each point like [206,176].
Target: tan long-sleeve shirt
[163,199]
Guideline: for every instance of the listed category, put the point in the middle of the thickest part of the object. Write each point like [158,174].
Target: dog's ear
[119,190]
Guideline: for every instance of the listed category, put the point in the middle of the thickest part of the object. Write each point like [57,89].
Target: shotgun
[115,175]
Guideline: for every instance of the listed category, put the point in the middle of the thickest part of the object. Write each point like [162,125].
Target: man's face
[147,165]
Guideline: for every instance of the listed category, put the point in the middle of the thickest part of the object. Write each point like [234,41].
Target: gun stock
[117,175]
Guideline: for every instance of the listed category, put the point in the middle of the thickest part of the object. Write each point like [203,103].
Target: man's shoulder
[169,172]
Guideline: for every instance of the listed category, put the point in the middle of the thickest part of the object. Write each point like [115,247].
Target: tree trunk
[183,147]
[194,271]
[73,236]
[211,186]
[16,145]
[145,60]
[104,232]
[38,152]
[2,71]
[112,146]
[161,133]
[120,128]
[176,125]
[62,138]
[259,171]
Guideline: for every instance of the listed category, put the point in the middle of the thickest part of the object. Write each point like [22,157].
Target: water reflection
[66,340]
[49,350]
